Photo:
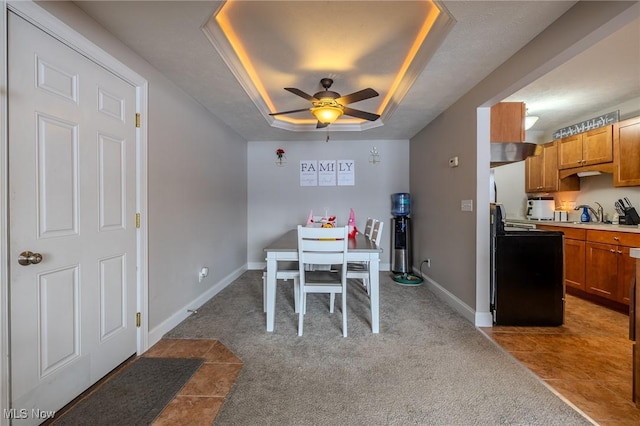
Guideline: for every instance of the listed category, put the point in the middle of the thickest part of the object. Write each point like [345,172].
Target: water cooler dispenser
[401,258]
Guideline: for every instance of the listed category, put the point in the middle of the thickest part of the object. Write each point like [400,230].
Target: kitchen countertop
[586,225]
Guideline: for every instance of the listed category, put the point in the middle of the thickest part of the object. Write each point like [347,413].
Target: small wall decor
[374,157]
[281,157]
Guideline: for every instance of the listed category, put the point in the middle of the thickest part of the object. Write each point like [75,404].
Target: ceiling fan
[328,106]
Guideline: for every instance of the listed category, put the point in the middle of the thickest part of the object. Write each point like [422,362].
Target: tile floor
[587,360]
[200,399]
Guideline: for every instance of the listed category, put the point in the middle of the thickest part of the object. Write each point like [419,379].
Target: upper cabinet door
[534,169]
[584,149]
[597,146]
[507,122]
[626,142]
[570,152]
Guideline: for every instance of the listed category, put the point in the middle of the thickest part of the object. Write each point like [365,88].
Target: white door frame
[61,31]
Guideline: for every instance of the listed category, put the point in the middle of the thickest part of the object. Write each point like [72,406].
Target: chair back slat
[368,227]
[323,245]
[323,258]
[376,233]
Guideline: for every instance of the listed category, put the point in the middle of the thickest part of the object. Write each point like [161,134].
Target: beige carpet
[428,366]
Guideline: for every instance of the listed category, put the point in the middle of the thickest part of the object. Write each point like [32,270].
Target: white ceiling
[169,35]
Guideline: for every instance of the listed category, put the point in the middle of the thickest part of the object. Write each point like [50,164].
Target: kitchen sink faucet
[598,215]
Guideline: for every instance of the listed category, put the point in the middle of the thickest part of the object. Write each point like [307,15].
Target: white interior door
[72,200]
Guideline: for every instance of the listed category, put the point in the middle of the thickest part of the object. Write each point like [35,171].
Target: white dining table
[361,249]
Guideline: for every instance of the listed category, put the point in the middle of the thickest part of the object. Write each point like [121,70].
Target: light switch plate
[466,205]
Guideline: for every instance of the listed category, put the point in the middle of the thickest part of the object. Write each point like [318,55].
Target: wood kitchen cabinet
[626,152]
[602,271]
[534,173]
[585,149]
[507,122]
[598,262]
[574,255]
[609,268]
[574,266]
[541,172]
[627,269]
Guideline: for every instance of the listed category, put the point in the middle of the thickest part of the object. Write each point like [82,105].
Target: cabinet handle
[612,250]
[616,238]
[619,252]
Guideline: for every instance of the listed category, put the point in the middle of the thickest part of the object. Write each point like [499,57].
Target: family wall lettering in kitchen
[590,124]
[327,173]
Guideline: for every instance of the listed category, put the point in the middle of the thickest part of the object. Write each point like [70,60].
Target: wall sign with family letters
[327,173]
[590,124]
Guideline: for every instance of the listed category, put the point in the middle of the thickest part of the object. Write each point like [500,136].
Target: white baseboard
[167,325]
[484,319]
[449,298]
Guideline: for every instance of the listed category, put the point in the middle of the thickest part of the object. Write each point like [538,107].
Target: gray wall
[197,180]
[278,203]
[456,241]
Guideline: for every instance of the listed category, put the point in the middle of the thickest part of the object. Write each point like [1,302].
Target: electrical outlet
[428,262]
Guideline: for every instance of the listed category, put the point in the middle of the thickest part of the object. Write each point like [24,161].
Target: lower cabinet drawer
[627,239]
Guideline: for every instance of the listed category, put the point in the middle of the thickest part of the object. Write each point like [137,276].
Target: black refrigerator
[527,274]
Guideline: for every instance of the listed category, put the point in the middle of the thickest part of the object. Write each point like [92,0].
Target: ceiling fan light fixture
[327,114]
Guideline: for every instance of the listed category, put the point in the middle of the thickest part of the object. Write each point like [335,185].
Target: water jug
[401,204]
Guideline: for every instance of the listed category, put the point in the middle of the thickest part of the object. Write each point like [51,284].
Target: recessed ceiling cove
[270,45]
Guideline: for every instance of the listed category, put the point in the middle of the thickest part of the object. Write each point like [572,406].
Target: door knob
[27,258]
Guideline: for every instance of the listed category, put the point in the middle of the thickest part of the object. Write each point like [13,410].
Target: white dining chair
[286,271]
[360,270]
[376,232]
[323,246]
[368,227]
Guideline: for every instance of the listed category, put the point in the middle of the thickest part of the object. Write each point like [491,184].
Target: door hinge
[137,119]
[138,319]
[137,220]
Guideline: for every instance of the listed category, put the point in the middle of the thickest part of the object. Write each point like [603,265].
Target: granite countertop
[580,225]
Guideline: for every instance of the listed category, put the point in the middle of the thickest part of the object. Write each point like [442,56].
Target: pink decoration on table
[352,224]
[310,218]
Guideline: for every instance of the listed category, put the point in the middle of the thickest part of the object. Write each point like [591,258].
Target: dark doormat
[136,396]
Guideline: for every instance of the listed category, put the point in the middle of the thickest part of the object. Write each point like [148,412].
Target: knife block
[630,217]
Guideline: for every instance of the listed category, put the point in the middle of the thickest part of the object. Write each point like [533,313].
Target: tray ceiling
[481,36]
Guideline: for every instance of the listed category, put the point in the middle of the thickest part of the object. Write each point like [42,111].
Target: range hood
[510,152]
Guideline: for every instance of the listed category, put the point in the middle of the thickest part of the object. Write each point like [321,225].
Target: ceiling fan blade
[300,93]
[360,114]
[321,125]
[289,112]
[360,95]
